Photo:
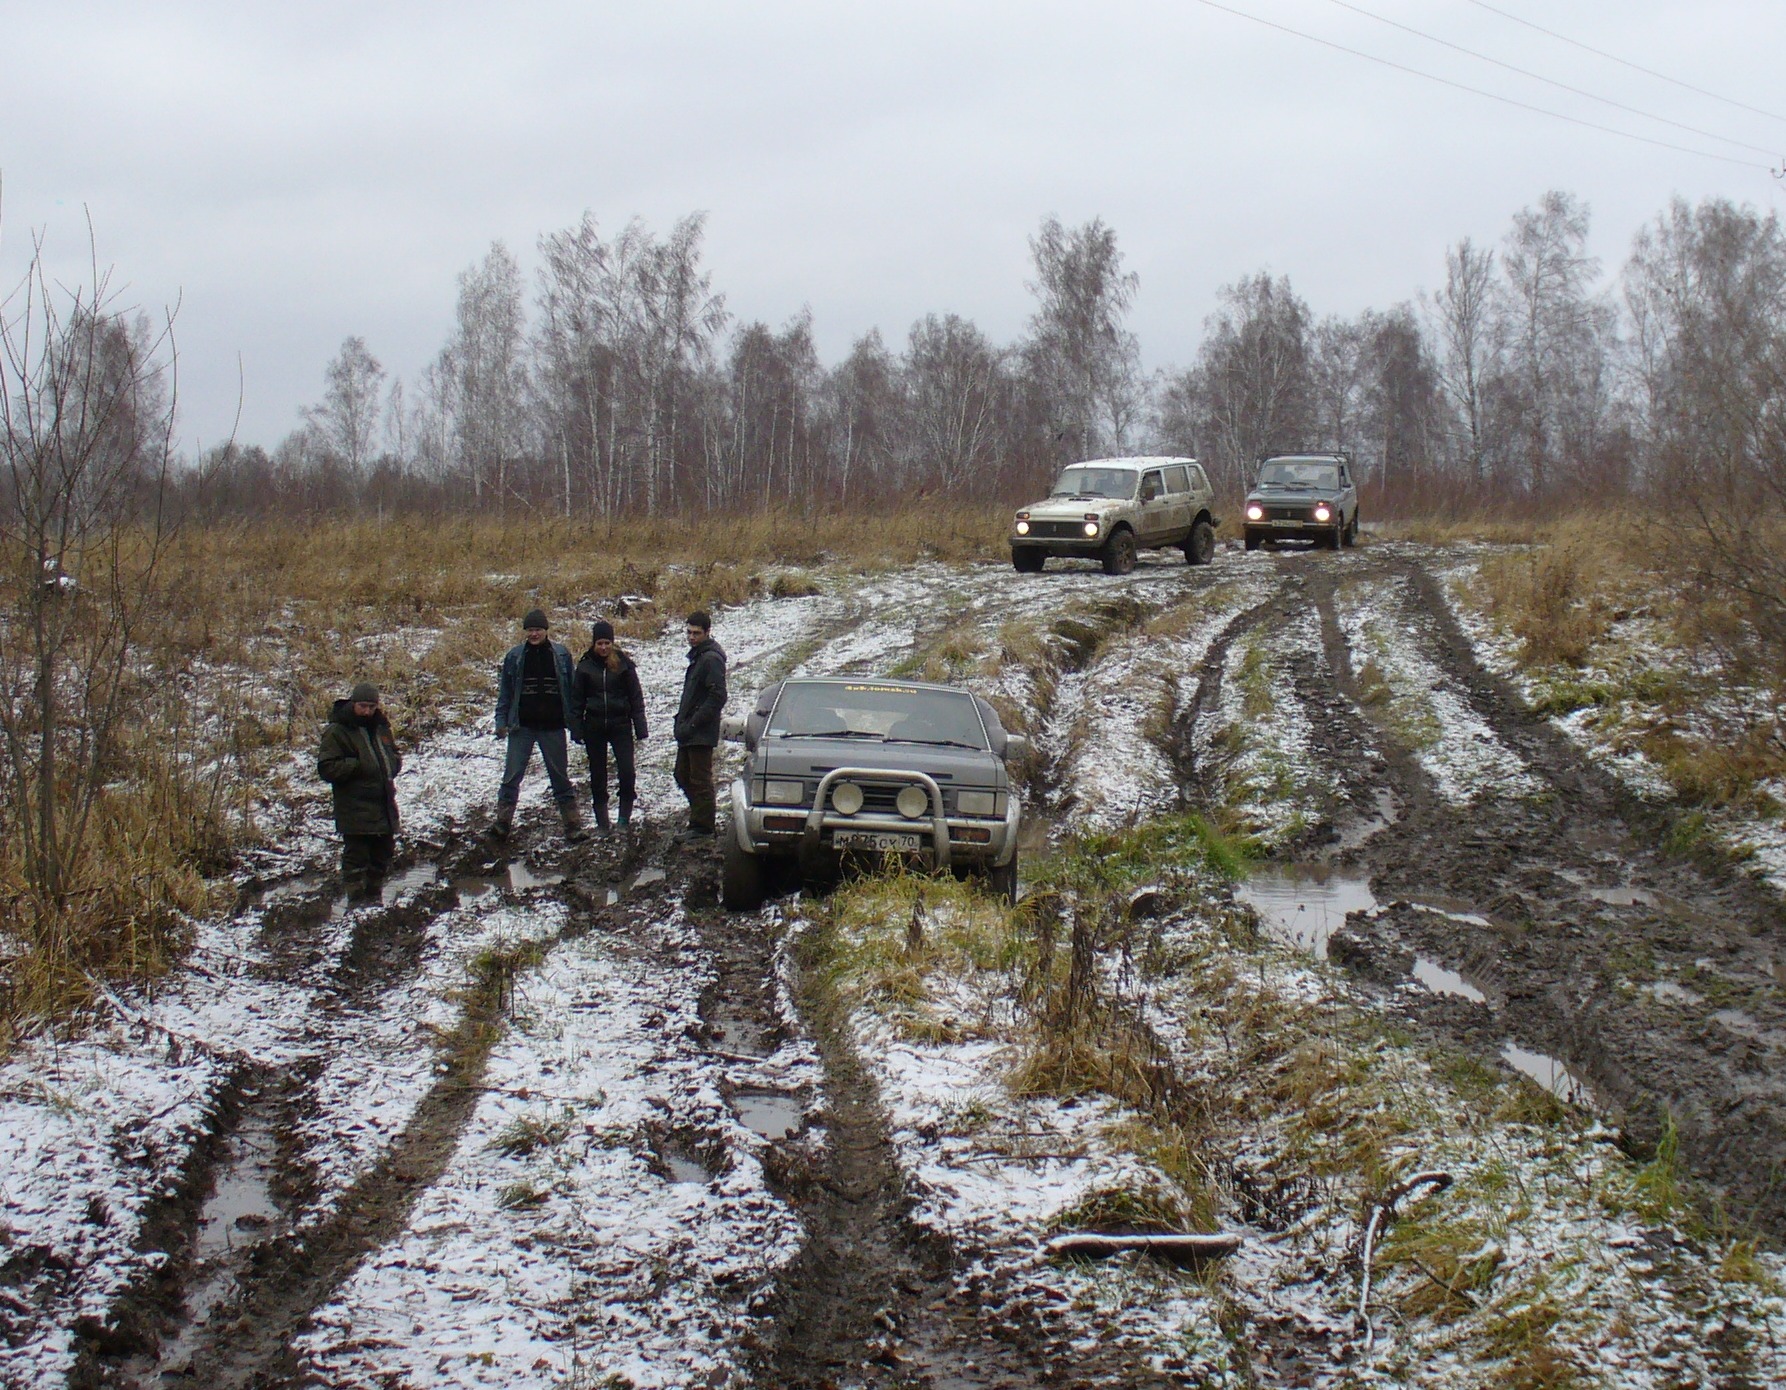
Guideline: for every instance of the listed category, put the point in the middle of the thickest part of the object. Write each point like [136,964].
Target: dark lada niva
[846,767]
[1309,497]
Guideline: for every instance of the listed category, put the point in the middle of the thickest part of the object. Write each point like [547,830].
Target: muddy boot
[504,822]
[626,815]
[601,818]
[574,833]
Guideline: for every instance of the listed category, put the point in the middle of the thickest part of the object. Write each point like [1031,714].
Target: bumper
[1089,546]
[807,834]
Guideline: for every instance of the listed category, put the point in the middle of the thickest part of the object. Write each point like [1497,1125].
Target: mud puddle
[517,876]
[1554,1076]
[773,1115]
[1302,905]
[616,893]
[1441,980]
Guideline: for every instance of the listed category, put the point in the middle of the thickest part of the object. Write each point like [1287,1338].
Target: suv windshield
[1299,473]
[865,709]
[1096,482]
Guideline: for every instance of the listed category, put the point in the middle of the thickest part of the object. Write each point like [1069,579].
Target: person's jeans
[554,753]
[598,741]
[694,774]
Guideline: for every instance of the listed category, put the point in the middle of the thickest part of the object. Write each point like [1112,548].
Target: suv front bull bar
[817,822]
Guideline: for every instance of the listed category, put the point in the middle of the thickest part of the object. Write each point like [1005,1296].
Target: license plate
[1286,521]
[888,841]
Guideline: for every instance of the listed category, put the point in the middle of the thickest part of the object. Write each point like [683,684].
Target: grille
[1289,514]
[1057,530]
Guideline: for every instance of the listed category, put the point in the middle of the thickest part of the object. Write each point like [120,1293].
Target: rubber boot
[626,815]
[504,822]
[601,817]
[574,833]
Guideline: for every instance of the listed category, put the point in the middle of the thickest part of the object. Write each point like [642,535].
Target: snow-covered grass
[1260,737]
[932,976]
[558,1245]
[1421,706]
[1669,716]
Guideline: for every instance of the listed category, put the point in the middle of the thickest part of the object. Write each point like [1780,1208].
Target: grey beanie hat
[364,693]
[536,617]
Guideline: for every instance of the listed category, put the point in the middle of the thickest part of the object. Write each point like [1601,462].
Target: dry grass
[263,625]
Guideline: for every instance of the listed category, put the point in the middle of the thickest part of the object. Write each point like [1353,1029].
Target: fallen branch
[1181,1248]
[1379,1209]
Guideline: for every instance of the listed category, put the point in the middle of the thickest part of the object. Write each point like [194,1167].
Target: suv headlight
[976,803]
[784,793]
[1322,513]
[1023,528]
[1254,512]
[1091,528]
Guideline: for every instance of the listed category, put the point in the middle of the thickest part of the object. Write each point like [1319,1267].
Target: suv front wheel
[1028,560]
[1119,555]
[740,876]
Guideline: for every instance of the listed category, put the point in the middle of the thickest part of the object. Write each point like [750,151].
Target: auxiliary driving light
[912,802]
[846,798]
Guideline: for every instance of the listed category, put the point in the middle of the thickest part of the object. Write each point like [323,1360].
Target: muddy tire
[1028,560]
[1252,541]
[1350,535]
[1003,881]
[1199,546]
[740,877]
[1119,555]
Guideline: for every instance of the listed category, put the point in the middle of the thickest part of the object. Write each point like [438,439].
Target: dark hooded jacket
[703,696]
[608,701]
[360,761]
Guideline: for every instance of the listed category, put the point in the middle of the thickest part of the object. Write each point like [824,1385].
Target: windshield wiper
[938,743]
[829,733]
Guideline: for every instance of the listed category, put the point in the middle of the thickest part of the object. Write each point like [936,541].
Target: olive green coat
[360,765]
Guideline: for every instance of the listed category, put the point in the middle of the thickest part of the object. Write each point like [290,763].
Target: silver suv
[1303,497]
[1108,509]
[839,768]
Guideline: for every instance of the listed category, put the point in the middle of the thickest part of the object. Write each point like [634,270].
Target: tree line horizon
[622,386]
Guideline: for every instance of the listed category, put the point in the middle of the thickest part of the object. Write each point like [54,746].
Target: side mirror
[731,728]
[1016,746]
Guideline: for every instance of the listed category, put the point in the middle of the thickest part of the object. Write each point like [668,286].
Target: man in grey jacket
[535,708]
[697,726]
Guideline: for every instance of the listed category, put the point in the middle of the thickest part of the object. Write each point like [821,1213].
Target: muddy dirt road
[549,1116]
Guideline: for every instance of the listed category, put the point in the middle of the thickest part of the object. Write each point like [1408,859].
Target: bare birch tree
[86,420]
[345,424]
[1079,348]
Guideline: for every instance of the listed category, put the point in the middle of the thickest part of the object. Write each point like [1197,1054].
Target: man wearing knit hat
[359,760]
[535,708]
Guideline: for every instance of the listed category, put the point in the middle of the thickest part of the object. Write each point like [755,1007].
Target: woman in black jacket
[606,692]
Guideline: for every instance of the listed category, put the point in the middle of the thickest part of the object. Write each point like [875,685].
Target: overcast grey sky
[296,173]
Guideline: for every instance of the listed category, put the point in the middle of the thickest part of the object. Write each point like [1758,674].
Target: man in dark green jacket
[358,758]
[697,726]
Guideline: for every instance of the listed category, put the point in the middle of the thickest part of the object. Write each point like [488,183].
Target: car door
[1348,496]
[1151,507]
[1181,506]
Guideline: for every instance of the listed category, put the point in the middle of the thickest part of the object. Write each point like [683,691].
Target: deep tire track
[1556,960]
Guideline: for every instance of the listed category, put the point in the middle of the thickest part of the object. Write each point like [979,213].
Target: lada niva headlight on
[912,802]
[1091,527]
[846,798]
[784,793]
[977,803]
[1254,512]
[1322,513]
[1022,527]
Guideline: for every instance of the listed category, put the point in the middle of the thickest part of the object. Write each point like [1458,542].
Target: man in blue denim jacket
[534,708]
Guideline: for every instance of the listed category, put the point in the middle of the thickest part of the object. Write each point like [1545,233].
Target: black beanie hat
[364,693]
[603,629]
[536,617]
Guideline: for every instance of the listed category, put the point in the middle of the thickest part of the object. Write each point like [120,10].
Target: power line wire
[1626,63]
[1480,92]
[1549,81]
